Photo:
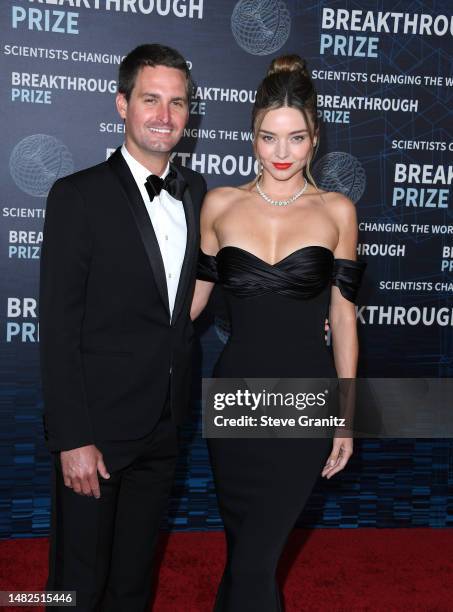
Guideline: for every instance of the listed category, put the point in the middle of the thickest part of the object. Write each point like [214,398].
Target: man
[118,269]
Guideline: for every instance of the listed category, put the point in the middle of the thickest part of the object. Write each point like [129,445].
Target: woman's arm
[343,324]
[210,246]
[342,315]
[200,298]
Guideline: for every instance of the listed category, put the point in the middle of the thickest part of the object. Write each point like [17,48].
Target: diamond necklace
[290,200]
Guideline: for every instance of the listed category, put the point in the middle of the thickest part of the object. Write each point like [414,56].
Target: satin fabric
[302,274]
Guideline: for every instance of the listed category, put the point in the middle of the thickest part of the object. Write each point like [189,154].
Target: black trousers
[103,548]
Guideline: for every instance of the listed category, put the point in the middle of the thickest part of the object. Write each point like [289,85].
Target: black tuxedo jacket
[109,353]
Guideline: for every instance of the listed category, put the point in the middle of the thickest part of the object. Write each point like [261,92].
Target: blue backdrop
[383,71]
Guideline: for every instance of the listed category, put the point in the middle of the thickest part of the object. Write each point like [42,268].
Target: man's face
[156,112]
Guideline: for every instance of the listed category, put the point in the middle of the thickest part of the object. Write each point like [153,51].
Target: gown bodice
[277,311]
[302,274]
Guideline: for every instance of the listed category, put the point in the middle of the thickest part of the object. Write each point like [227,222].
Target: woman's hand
[338,458]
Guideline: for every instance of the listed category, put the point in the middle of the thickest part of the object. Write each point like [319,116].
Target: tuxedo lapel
[190,252]
[132,195]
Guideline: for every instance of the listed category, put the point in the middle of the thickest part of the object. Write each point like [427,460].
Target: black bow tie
[171,183]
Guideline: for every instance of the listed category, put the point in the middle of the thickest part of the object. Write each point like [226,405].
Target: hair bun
[288,63]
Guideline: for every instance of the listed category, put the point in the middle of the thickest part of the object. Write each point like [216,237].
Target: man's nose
[163,113]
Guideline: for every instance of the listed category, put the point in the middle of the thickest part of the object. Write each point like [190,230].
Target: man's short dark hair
[150,55]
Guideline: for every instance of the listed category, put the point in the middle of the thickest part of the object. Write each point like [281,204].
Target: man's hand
[338,458]
[80,467]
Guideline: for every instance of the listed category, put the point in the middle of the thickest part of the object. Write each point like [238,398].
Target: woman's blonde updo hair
[288,84]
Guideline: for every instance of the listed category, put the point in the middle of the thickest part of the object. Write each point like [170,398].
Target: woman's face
[283,143]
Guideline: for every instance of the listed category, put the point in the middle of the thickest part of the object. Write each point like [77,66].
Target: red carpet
[328,570]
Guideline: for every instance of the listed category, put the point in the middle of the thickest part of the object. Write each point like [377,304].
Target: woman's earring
[260,169]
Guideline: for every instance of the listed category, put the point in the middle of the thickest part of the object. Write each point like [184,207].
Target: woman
[283,250]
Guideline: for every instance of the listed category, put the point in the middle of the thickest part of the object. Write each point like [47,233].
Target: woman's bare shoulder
[220,198]
[337,203]
[231,192]
[222,193]
[248,187]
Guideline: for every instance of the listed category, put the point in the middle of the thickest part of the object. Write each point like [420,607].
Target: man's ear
[121,105]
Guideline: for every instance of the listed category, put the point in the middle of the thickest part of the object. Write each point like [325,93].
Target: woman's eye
[267,138]
[299,138]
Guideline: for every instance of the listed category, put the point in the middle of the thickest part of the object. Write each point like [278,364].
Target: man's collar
[139,172]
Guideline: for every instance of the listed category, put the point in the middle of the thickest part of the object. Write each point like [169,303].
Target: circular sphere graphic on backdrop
[261,27]
[339,171]
[37,161]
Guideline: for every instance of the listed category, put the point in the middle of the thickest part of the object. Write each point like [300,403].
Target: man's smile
[160,130]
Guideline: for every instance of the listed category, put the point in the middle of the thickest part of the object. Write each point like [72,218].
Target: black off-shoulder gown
[277,316]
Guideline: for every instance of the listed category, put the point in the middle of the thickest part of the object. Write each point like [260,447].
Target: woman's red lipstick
[281,166]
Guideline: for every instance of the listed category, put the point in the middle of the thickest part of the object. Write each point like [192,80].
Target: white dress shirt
[169,223]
